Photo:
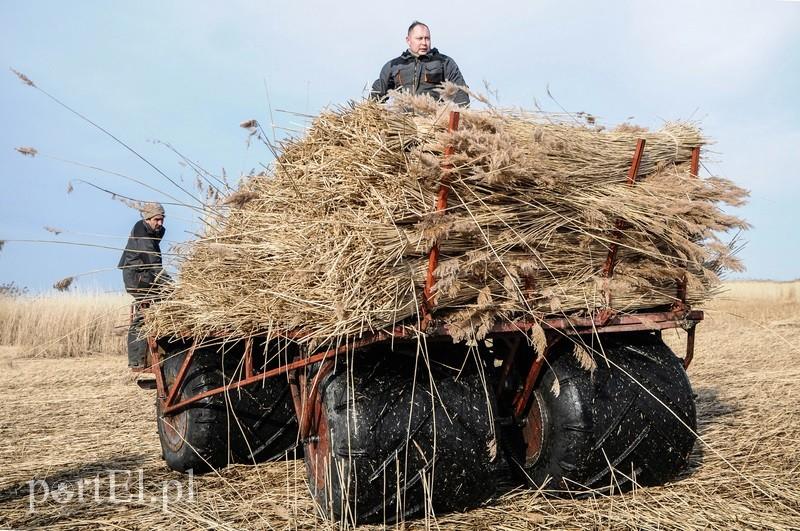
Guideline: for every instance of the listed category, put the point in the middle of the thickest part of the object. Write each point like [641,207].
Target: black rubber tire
[604,420]
[253,424]
[267,425]
[377,475]
[196,438]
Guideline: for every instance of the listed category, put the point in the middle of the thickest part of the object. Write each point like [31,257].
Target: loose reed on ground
[333,239]
[745,374]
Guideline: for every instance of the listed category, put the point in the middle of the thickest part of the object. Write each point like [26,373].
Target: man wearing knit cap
[142,273]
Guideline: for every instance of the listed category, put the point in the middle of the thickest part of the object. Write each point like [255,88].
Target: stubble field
[79,448]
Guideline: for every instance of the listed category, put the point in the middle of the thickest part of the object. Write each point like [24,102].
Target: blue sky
[188,73]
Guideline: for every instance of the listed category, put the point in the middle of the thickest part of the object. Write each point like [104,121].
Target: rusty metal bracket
[564,326]
[441,205]
[522,400]
[689,347]
[604,316]
[247,381]
[306,417]
[381,335]
[591,325]
[176,385]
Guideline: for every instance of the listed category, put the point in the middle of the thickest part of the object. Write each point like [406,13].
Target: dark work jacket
[419,75]
[141,260]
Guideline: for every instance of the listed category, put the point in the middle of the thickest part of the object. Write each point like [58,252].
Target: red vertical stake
[695,164]
[441,206]
[633,171]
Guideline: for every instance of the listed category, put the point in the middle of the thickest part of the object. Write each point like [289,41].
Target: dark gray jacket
[141,260]
[420,75]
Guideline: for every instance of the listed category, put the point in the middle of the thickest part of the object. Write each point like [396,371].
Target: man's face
[419,40]
[155,223]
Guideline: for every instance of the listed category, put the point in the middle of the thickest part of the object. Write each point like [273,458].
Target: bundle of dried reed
[334,239]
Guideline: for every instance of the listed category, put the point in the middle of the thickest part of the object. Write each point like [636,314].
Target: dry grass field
[65,324]
[66,423]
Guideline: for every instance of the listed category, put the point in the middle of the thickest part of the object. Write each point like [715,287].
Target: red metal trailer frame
[556,328]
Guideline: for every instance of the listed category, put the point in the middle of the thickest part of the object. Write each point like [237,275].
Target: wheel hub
[532,433]
[173,428]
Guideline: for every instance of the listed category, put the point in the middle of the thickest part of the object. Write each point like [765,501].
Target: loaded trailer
[403,420]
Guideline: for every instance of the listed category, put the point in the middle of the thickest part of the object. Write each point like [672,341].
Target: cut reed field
[68,420]
[65,324]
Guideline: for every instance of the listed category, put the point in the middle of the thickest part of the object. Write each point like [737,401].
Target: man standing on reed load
[142,271]
[420,69]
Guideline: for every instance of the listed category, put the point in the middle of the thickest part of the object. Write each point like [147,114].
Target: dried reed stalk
[333,240]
